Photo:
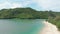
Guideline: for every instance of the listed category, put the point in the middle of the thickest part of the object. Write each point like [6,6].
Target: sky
[35,4]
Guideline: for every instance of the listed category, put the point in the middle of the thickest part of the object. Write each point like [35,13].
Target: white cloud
[25,3]
[15,5]
[44,4]
[49,4]
[8,4]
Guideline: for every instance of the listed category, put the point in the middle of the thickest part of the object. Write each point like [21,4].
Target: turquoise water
[20,26]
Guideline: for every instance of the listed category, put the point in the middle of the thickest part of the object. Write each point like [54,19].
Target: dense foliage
[23,13]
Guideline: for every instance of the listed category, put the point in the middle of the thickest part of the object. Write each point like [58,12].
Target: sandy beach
[49,29]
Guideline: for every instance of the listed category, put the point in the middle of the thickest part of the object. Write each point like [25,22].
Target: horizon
[40,5]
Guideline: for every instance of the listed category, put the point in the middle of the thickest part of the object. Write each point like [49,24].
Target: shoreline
[49,29]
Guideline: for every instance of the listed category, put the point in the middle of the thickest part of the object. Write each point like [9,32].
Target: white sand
[49,29]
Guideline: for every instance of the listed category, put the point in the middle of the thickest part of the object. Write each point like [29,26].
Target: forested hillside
[23,13]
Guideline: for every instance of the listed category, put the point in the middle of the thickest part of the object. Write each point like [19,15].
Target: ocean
[21,26]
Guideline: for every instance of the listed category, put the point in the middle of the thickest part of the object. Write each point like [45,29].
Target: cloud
[15,5]
[49,4]
[26,3]
[39,4]
[8,4]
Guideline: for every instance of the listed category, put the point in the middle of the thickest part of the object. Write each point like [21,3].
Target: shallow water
[20,26]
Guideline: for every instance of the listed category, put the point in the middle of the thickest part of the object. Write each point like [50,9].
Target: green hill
[23,13]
